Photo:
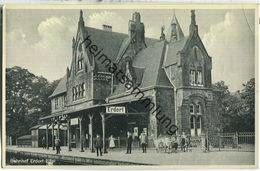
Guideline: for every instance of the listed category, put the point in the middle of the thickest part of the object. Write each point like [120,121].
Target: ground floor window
[198,122]
[195,125]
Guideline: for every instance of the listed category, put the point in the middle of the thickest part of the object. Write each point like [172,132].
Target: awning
[69,111]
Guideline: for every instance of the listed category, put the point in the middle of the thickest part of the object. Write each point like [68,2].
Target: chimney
[136,32]
[193,26]
[107,28]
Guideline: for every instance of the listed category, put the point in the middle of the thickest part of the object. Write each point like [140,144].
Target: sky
[41,40]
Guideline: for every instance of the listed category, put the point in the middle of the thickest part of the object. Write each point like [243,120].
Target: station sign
[74,121]
[115,109]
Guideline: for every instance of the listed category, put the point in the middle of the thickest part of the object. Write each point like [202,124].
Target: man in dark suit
[98,145]
[129,143]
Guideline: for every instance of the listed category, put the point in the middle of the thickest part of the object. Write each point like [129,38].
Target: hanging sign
[74,121]
[115,109]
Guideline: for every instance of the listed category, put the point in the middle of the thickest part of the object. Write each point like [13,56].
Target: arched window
[195,52]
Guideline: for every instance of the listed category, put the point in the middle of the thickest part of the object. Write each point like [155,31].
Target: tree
[248,108]
[26,100]
[236,110]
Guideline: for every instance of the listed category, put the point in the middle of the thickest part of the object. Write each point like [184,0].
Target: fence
[238,141]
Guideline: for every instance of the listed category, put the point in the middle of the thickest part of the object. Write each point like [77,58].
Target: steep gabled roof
[110,42]
[125,44]
[151,59]
[148,63]
[173,49]
[61,88]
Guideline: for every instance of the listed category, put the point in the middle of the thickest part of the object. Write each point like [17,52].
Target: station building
[119,83]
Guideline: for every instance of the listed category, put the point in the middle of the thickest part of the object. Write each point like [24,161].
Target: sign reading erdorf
[115,109]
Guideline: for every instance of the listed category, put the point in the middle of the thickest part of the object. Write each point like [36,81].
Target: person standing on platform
[43,143]
[112,142]
[57,144]
[98,145]
[144,141]
[129,143]
[183,142]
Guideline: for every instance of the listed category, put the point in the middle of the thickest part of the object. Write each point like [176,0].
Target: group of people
[57,144]
[99,144]
[143,142]
[161,144]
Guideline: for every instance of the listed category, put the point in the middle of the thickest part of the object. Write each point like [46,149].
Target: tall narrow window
[198,122]
[192,125]
[191,109]
[192,122]
[83,89]
[199,125]
[64,101]
[74,93]
[198,109]
[195,51]
[80,62]
[56,103]
[77,93]
[199,76]
[192,77]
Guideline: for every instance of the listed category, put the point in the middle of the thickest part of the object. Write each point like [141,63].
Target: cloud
[47,56]
[118,23]
[231,45]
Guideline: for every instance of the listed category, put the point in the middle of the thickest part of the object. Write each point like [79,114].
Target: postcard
[130,86]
